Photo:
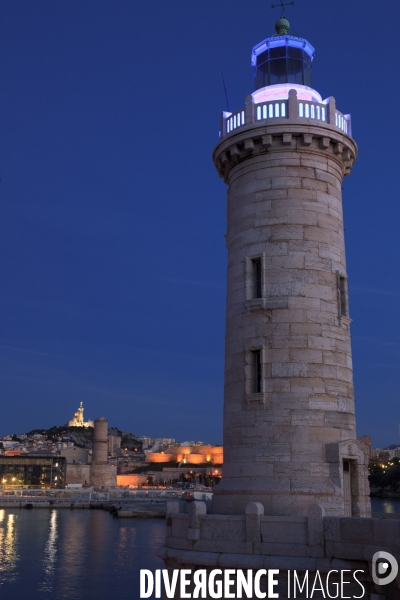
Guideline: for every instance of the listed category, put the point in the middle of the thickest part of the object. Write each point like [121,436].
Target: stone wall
[100,441]
[103,475]
[191,454]
[131,480]
[160,457]
[284,211]
[75,454]
[78,474]
[253,541]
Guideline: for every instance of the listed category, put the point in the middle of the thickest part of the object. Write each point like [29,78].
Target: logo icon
[384,568]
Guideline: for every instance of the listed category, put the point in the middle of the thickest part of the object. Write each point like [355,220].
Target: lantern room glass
[283,60]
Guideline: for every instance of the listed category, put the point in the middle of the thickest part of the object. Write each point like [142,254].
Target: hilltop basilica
[78,420]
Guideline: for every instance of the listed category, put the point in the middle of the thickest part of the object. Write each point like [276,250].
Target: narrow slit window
[256,355]
[343,297]
[257,278]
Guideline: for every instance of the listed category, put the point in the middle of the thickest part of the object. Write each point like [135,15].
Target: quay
[146,502]
[120,503]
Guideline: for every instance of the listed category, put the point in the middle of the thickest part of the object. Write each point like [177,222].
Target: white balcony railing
[297,109]
[312,110]
[235,120]
[271,110]
[341,121]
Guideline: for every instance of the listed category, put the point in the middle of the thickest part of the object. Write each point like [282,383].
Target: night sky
[112,214]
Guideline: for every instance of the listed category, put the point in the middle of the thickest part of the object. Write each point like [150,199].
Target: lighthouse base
[309,556]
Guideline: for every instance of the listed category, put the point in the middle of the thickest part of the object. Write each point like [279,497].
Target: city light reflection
[50,554]
[388,507]
[8,547]
[125,548]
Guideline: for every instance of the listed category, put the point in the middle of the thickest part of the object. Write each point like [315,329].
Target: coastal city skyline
[16,441]
[113,216]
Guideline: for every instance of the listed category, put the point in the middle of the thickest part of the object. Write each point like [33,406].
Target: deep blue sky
[112,215]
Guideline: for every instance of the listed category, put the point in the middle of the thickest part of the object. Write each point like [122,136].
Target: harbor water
[77,554]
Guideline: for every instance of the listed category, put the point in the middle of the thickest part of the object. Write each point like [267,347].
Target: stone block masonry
[284,210]
[295,493]
[313,543]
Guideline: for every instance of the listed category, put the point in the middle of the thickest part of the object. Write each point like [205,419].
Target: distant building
[194,455]
[377,454]
[102,473]
[114,444]
[156,443]
[394,452]
[366,440]
[15,452]
[43,470]
[146,442]
[78,420]
[74,454]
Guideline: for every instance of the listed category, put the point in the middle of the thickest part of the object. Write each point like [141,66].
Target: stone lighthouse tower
[294,494]
[289,424]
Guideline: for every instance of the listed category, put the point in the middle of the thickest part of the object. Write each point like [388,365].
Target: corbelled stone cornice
[257,139]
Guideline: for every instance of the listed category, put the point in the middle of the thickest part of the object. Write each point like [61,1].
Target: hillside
[83,436]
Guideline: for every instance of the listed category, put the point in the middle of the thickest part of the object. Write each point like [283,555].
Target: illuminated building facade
[35,471]
[188,454]
[78,420]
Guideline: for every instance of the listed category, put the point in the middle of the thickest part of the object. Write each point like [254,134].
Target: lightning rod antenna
[226,93]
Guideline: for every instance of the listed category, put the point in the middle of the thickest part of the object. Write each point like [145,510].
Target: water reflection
[156,537]
[125,549]
[8,547]
[50,555]
[388,507]
[75,554]
[75,535]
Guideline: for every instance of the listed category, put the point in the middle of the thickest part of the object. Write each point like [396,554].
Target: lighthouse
[294,496]
[289,415]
